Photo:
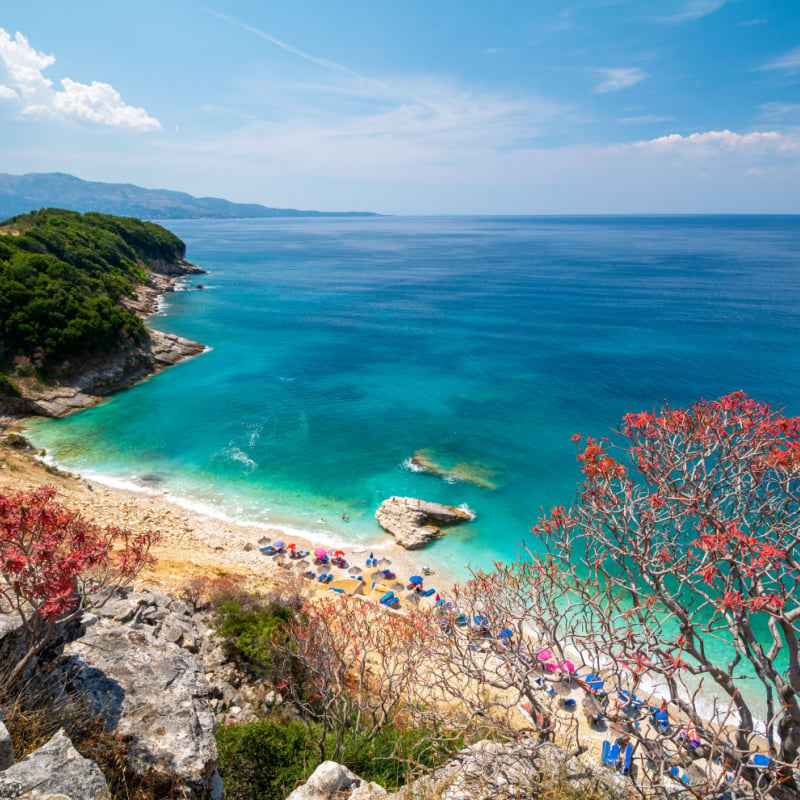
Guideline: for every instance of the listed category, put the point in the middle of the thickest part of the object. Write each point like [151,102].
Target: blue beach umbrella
[280,544]
[481,620]
[506,633]
[415,579]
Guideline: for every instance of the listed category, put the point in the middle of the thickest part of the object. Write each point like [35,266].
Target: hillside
[70,289]
[20,194]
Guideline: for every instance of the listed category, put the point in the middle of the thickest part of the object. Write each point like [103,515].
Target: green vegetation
[267,759]
[250,630]
[63,276]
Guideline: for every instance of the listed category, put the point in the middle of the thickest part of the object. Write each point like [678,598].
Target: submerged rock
[414,522]
[465,471]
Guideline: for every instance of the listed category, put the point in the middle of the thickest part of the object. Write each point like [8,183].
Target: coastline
[196,540]
[193,542]
[92,378]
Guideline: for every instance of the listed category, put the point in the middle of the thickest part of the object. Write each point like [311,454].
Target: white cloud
[755,171]
[695,9]
[95,103]
[704,143]
[779,112]
[643,119]
[24,64]
[100,103]
[788,61]
[618,78]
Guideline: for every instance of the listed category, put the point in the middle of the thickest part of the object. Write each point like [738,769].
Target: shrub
[265,760]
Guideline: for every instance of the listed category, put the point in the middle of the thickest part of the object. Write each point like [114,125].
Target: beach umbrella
[322,568]
[338,553]
[415,580]
[506,633]
[303,564]
[566,666]
[291,546]
[355,569]
[545,655]
[384,562]
[320,552]
[279,544]
[481,620]
[264,540]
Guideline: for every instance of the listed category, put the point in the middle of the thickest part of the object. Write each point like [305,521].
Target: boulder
[152,693]
[6,747]
[491,770]
[327,780]
[415,522]
[56,768]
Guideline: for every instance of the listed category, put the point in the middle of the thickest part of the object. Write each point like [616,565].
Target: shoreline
[193,541]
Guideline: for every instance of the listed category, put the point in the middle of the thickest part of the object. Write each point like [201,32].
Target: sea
[340,348]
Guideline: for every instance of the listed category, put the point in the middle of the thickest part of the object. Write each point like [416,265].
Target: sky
[414,107]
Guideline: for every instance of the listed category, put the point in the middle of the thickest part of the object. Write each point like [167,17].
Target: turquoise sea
[340,347]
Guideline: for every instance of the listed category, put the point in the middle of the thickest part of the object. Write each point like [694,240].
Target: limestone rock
[415,522]
[328,779]
[6,747]
[57,768]
[511,770]
[152,692]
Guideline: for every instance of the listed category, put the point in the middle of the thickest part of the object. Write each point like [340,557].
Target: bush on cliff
[63,277]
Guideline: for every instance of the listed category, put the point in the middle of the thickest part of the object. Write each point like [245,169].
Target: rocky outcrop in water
[415,522]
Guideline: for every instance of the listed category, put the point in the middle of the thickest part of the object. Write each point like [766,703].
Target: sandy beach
[191,543]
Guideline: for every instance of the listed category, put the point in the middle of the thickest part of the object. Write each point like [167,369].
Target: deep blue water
[342,346]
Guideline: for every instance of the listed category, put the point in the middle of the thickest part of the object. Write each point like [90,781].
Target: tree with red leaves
[683,548]
[51,560]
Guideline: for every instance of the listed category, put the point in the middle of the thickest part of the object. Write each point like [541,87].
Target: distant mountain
[22,193]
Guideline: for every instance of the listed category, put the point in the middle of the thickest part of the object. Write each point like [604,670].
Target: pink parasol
[545,655]
[320,552]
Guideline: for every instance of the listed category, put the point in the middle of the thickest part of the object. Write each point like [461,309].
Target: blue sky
[433,107]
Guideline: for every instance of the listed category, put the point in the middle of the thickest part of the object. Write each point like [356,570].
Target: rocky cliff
[137,666]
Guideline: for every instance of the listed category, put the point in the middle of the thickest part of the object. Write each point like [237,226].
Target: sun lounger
[760,760]
[336,589]
[609,756]
[322,578]
[630,700]
[569,703]
[387,598]
[660,719]
[627,761]
[679,775]
[428,592]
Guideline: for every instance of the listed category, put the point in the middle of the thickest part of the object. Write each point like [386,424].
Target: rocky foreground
[155,677]
[414,523]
